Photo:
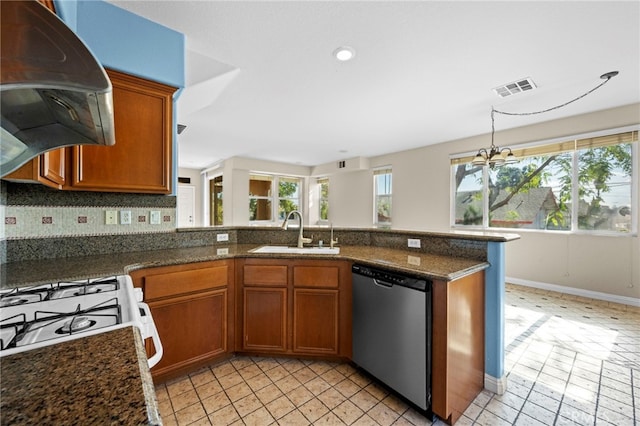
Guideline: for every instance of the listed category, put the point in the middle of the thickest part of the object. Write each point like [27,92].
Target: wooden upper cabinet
[48,4]
[141,159]
[48,169]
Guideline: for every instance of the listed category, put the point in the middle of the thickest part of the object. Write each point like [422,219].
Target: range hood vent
[53,91]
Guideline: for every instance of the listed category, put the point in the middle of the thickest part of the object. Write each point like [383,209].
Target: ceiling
[261,80]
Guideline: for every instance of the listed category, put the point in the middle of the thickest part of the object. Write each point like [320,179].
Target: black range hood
[53,91]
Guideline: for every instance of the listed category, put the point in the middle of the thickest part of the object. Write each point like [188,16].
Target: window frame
[574,229]
[378,171]
[274,196]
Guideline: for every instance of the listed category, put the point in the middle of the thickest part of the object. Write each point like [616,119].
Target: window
[382,196]
[263,199]
[215,197]
[323,199]
[288,196]
[576,185]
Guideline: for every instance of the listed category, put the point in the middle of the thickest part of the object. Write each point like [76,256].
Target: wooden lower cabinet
[294,307]
[265,319]
[457,345]
[316,321]
[193,307]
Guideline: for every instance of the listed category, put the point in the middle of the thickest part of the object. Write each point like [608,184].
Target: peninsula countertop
[31,272]
[95,380]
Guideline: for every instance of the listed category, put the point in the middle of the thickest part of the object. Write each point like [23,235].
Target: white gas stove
[33,317]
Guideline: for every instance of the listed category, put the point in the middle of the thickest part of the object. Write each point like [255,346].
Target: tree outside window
[382,195]
[538,192]
[323,202]
[288,196]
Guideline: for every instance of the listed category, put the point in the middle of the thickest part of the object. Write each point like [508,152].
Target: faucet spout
[301,238]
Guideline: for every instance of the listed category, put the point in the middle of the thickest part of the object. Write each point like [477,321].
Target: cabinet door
[265,319]
[47,169]
[52,167]
[140,161]
[191,328]
[315,321]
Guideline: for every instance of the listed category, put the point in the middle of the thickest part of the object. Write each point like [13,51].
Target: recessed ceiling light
[344,53]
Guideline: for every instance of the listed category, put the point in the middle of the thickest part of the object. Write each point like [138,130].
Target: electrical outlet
[413,242]
[222,237]
[125,217]
[111,217]
[154,217]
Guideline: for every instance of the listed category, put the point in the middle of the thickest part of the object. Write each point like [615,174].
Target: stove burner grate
[76,324]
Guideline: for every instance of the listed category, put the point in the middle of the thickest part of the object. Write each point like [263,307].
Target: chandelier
[496,156]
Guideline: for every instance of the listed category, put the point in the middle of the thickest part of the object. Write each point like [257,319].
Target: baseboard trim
[495,385]
[623,300]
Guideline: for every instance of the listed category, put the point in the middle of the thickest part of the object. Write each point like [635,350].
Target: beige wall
[421,201]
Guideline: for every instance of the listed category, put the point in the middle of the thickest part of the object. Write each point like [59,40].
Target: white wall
[421,201]
[196,181]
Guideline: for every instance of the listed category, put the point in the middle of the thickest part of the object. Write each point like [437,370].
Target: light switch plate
[125,217]
[154,217]
[111,217]
[413,242]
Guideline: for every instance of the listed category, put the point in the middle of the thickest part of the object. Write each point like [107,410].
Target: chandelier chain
[493,156]
[555,107]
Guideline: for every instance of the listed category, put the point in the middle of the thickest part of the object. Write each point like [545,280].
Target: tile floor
[569,360]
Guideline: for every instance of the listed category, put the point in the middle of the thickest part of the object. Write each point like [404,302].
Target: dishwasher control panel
[390,278]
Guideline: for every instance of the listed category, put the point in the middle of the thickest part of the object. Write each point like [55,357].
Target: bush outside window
[582,185]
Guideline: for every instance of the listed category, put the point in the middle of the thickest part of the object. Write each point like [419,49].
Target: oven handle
[151,331]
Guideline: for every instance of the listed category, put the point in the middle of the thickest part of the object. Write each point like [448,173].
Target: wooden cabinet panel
[166,284]
[191,328]
[316,276]
[296,307]
[457,345]
[141,159]
[315,321]
[48,169]
[269,275]
[265,319]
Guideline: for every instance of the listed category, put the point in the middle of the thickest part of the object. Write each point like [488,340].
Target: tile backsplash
[52,221]
[35,211]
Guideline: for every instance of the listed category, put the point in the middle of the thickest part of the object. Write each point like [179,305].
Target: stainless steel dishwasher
[392,331]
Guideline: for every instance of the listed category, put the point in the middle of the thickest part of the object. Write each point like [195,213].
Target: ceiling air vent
[522,85]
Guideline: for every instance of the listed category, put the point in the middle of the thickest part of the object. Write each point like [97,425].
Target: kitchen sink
[296,250]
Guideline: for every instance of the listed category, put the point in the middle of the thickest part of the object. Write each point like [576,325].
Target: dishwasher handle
[381,283]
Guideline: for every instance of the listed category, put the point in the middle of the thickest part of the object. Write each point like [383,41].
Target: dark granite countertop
[104,378]
[432,266]
[97,380]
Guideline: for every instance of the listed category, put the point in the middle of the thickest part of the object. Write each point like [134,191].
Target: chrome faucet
[331,240]
[301,239]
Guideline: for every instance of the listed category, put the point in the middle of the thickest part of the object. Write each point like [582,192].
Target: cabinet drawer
[182,282]
[269,275]
[316,276]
